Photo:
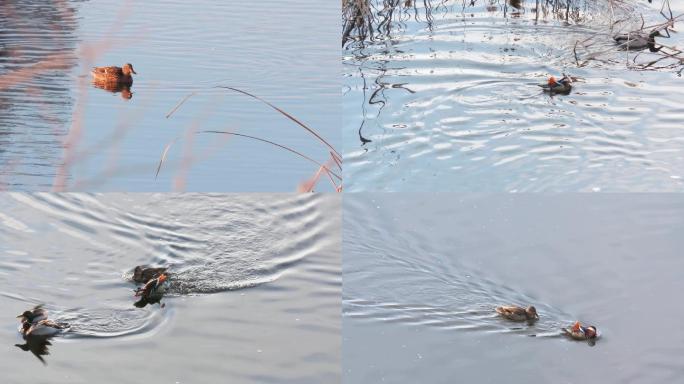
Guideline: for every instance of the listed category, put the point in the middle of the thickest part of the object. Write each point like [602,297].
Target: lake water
[59,132]
[423,273]
[254,296]
[447,93]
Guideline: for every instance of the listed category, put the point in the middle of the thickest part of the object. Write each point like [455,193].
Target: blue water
[59,132]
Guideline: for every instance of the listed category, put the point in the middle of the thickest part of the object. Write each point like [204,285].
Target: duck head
[552,81]
[128,69]
[590,332]
[531,312]
[26,316]
[162,278]
[654,34]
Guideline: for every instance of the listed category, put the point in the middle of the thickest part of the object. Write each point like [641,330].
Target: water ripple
[453,105]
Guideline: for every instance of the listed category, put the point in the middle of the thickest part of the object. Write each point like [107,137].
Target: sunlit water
[423,274]
[57,131]
[254,295]
[450,101]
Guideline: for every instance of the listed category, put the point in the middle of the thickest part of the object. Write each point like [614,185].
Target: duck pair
[35,322]
[577,331]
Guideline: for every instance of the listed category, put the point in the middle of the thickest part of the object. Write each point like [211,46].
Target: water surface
[423,273]
[57,131]
[254,296]
[445,97]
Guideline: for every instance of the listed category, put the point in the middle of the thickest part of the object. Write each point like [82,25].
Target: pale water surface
[423,273]
[447,93]
[254,296]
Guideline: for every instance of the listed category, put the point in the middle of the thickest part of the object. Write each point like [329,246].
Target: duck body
[516,313]
[562,86]
[43,328]
[114,75]
[154,290]
[579,332]
[143,274]
[636,40]
[34,315]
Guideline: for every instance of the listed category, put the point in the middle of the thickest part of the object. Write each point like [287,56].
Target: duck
[562,86]
[516,313]
[579,332]
[112,74]
[636,40]
[44,328]
[154,290]
[143,274]
[34,315]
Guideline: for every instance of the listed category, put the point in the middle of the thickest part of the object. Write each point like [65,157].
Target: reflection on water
[37,50]
[444,97]
[124,89]
[424,273]
[57,132]
[76,253]
[37,345]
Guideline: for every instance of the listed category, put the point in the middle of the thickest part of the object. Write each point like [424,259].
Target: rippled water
[423,273]
[449,101]
[57,131]
[255,286]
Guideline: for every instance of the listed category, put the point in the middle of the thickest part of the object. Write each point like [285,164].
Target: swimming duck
[636,40]
[154,289]
[34,315]
[562,86]
[515,313]
[578,332]
[143,274]
[42,328]
[114,74]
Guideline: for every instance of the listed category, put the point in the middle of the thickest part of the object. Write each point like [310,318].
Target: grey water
[444,96]
[59,132]
[424,272]
[254,295]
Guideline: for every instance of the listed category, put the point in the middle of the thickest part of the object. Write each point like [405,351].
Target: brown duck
[114,75]
[515,313]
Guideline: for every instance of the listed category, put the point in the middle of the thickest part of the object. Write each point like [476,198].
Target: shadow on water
[37,345]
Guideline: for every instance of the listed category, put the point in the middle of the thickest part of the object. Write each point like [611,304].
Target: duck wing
[145,291]
[53,324]
[108,71]
[509,310]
